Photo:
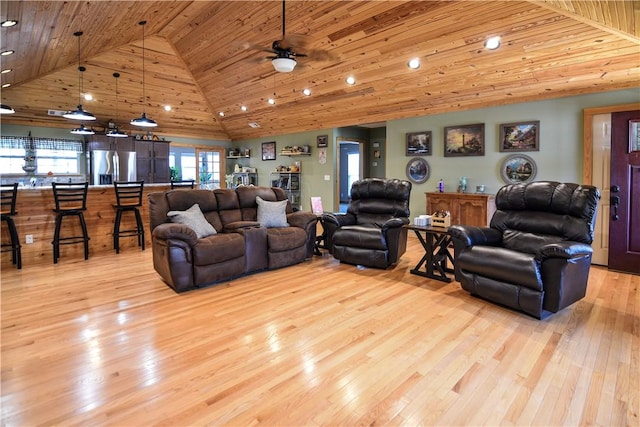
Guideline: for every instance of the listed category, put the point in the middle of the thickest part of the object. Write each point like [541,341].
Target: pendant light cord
[78,34]
[116,75]
[144,99]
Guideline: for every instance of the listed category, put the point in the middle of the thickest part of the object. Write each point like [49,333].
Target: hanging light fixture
[79,113]
[143,120]
[115,132]
[82,130]
[5,109]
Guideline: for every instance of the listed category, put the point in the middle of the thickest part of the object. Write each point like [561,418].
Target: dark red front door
[624,223]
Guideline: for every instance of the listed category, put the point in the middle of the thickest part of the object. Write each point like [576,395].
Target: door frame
[587,123]
[361,144]
[588,115]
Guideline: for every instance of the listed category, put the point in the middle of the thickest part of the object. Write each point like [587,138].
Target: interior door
[624,225]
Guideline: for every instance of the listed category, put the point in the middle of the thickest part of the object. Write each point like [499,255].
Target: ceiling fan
[287,49]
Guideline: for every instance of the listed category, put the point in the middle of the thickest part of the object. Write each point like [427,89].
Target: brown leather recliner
[536,254]
[371,233]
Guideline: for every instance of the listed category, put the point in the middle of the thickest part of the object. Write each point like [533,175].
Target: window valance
[35,143]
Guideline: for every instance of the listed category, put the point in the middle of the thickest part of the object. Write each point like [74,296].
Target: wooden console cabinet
[465,208]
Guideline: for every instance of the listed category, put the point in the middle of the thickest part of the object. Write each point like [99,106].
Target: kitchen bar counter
[36,217]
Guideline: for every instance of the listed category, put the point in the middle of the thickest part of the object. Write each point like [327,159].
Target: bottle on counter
[441,186]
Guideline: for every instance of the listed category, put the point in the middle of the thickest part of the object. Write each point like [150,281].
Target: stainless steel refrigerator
[105,167]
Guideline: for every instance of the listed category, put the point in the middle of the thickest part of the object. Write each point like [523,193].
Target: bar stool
[189,183]
[128,199]
[71,200]
[8,196]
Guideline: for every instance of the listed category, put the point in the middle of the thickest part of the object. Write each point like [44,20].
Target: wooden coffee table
[437,260]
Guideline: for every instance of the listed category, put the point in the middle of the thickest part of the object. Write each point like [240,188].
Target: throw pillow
[272,214]
[194,219]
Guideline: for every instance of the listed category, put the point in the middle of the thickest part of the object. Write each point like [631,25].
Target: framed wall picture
[269,150]
[323,141]
[523,136]
[465,140]
[418,170]
[518,168]
[419,143]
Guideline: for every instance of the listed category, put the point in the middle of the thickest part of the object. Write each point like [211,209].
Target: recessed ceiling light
[9,23]
[167,108]
[492,43]
[8,52]
[414,63]
[306,92]
[6,85]
[221,113]
[271,101]
[88,97]
[243,108]
[8,70]
[351,80]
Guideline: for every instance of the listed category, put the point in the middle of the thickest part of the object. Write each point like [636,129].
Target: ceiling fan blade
[320,55]
[294,41]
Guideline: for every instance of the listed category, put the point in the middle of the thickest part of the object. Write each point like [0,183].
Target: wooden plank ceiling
[203,57]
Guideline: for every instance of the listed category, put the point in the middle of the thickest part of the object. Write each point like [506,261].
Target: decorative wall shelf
[238,157]
[292,154]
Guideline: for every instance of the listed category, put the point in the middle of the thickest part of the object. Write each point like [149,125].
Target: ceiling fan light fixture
[5,109]
[82,130]
[283,65]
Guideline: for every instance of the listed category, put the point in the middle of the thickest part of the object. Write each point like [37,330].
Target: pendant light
[79,113]
[82,130]
[143,121]
[5,109]
[115,132]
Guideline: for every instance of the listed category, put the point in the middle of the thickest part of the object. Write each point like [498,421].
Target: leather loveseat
[240,246]
[536,254]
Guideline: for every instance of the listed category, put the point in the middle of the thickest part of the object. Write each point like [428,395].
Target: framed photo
[523,136]
[418,170]
[466,140]
[518,168]
[269,150]
[419,143]
[323,141]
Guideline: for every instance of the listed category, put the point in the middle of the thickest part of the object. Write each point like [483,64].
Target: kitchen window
[58,156]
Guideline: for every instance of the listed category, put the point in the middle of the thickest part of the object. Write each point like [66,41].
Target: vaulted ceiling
[203,57]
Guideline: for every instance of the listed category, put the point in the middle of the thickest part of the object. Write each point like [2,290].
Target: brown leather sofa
[241,245]
[536,254]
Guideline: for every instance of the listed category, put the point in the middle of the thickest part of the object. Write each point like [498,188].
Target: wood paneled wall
[36,217]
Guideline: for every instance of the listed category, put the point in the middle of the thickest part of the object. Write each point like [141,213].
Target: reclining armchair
[536,254]
[371,233]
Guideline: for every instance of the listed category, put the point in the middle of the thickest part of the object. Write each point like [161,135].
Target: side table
[436,260]
[320,242]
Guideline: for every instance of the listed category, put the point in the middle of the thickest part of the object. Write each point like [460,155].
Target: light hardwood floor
[106,342]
